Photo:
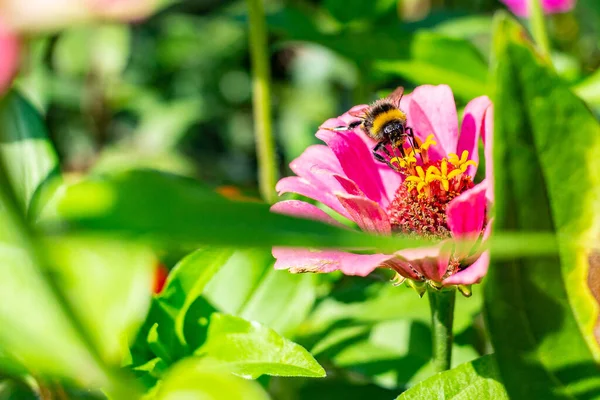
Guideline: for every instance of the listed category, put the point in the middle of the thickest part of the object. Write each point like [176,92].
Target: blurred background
[174,91]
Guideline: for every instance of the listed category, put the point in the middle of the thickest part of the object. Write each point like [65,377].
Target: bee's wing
[396,96]
[361,113]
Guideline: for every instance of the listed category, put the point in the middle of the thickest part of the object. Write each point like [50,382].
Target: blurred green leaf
[437,59]
[589,89]
[478,379]
[249,287]
[546,146]
[349,10]
[132,205]
[195,379]
[15,390]
[187,281]
[98,49]
[27,154]
[109,284]
[251,350]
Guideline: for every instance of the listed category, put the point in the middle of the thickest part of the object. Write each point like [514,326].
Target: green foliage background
[117,139]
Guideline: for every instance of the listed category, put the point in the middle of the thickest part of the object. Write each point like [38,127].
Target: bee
[384,122]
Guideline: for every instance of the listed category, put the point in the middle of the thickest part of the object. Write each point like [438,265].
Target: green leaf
[437,59]
[251,350]
[195,379]
[187,281]
[478,379]
[589,89]
[546,146]
[248,283]
[109,284]
[131,204]
[28,155]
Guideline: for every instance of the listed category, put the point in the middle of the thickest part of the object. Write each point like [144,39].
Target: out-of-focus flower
[432,195]
[9,56]
[44,15]
[521,7]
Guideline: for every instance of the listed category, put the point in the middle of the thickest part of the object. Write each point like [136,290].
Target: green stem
[441,303]
[538,27]
[265,146]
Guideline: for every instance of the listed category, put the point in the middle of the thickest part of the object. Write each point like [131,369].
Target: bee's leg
[380,158]
[348,127]
[413,141]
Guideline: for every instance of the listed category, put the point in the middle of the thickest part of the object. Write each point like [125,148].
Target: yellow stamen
[461,163]
[428,142]
[419,180]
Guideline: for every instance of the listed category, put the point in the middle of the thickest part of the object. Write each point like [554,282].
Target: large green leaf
[478,379]
[195,379]
[132,204]
[27,154]
[541,314]
[109,285]
[249,287]
[251,350]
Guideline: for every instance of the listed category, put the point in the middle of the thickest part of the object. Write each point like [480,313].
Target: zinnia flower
[521,7]
[431,194]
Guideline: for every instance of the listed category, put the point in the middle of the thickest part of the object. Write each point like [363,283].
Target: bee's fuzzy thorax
[381,114]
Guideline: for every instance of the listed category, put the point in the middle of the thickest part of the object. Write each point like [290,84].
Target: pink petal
[466,213]
[471,128]
[305,260]
[302,209]
[431,109]
[472,274]
[319,156]
[295,184]
[369,216]
[356,160]
[488,139]
[430,262]
[521,8]
[9,57]
[349,186]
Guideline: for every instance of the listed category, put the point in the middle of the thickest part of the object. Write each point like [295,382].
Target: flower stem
[261,99]
[538,27]
[441,303]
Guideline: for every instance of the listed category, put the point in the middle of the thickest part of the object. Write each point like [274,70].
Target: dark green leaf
[27,154]
[541,314]
[478,379]
[251,350]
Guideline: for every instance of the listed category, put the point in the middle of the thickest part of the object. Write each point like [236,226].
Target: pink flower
[431,193]
[521,7]
[9,57]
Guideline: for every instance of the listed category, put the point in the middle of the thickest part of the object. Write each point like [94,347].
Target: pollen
[419,204]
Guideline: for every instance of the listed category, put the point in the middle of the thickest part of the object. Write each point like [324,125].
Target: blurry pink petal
[471,128]
[301,209]
[305,260]
[431,109]
[349,186]
[294,184]
[521,7]
[48,15]
[369,216]
[473,273]
[488,140]
[356,160]
[317,155]
[466,213]
[430,262]
[9,56]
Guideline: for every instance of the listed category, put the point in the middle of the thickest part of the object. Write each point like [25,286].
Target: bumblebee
[384,122]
